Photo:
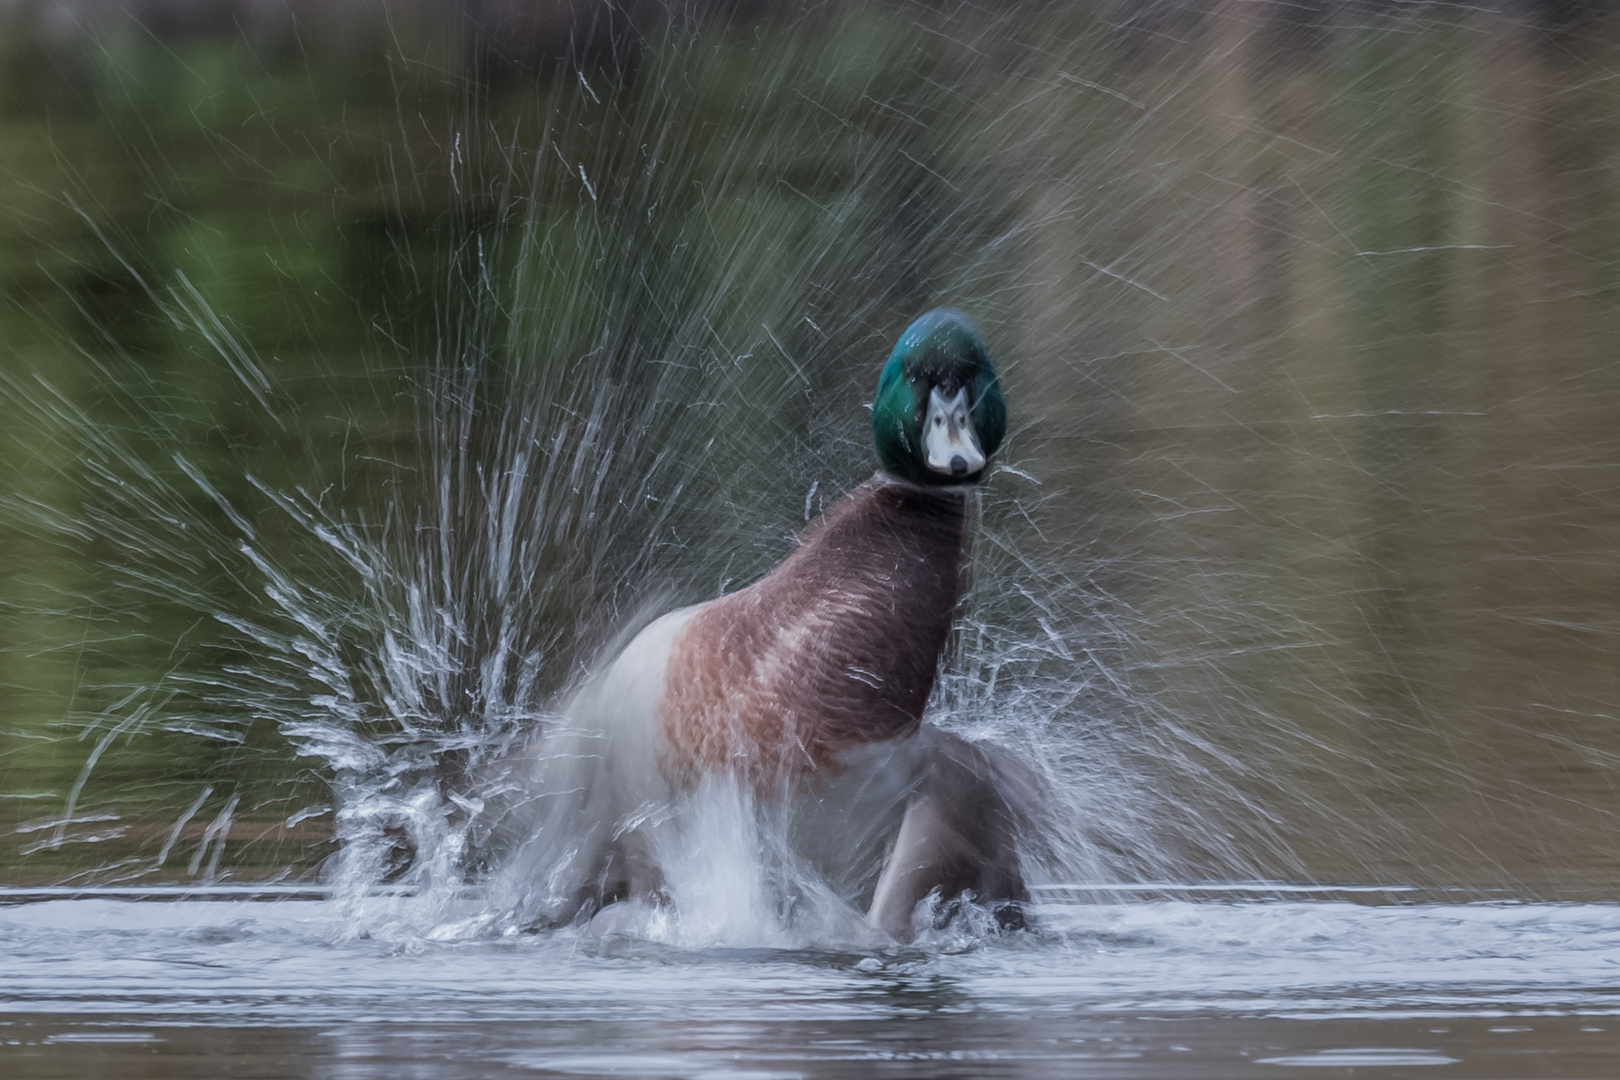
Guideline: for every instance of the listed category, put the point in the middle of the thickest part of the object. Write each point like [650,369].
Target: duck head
[938,415]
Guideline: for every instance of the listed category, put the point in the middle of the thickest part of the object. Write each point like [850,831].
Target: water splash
[616,404]
[616,329]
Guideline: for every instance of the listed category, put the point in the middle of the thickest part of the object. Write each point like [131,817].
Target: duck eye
[938,420]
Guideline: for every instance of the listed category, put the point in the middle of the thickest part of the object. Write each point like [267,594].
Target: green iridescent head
[938,415]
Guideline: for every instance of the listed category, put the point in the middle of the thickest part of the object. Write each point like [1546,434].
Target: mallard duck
[807,687]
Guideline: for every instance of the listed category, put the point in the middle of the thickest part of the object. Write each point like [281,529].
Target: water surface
[1146,988]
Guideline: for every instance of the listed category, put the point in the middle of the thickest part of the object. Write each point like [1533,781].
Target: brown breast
[837,646]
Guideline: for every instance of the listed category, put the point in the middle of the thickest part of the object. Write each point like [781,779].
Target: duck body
[806,690]
[834,649]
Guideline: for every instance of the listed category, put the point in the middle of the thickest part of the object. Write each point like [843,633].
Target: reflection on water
[1144,989]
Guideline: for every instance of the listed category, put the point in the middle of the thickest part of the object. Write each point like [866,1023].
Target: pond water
[1154,987]
[367,370]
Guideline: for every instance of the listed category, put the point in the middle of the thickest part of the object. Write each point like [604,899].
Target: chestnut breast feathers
[836,647]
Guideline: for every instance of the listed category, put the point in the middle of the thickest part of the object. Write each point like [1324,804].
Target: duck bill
[950,443]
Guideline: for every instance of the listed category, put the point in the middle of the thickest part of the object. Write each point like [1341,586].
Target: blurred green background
[1307,564]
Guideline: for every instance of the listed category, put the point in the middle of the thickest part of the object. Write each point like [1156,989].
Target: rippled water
[1145,987]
